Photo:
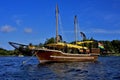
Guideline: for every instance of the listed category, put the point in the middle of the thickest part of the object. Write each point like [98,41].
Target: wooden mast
[75,28]
[56,12]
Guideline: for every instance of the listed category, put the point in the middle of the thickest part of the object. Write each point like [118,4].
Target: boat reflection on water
[72,70]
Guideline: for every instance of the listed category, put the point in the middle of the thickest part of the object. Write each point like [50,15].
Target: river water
[13,68]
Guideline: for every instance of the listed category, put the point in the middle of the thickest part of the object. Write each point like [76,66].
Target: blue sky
[33,21]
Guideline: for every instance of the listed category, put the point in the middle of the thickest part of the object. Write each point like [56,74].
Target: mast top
[56,12]
[75,28]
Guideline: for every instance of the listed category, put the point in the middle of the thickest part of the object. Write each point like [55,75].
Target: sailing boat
[58,51]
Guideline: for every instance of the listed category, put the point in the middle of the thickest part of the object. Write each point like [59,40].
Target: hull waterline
[46,55]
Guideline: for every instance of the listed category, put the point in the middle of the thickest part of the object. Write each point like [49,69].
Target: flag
[100,45]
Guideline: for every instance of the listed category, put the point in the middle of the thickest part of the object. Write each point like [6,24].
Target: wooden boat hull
[46,55]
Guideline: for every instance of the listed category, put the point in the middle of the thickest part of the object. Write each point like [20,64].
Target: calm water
[12,68]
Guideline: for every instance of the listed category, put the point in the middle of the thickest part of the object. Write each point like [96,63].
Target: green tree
[108,46]
[48,41]
[116,45]
[6,52]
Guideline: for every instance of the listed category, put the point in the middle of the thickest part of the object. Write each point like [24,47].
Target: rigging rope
[78,31]
[61,27]
[28,59]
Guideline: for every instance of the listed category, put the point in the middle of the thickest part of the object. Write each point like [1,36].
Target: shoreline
[115,54]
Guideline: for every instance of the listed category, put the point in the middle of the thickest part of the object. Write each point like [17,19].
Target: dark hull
[46,55]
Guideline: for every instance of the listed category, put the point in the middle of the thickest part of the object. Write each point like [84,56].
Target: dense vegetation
[110,46]
[6,52]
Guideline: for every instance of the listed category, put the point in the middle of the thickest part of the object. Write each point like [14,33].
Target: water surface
[13,68]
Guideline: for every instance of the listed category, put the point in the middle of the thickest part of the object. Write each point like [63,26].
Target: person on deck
[31,46]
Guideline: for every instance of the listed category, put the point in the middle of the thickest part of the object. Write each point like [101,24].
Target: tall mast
[56,12]
[75,28]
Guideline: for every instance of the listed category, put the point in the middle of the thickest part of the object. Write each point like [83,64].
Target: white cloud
[98,31]
[103,31]
[18,18]
[28,30]
[7,28]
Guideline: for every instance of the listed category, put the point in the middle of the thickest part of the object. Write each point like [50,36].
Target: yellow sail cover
[82,42]
[62,45]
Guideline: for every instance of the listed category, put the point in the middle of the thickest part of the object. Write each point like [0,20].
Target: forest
[111,47]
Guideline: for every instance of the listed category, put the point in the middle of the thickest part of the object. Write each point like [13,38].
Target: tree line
[112,47]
